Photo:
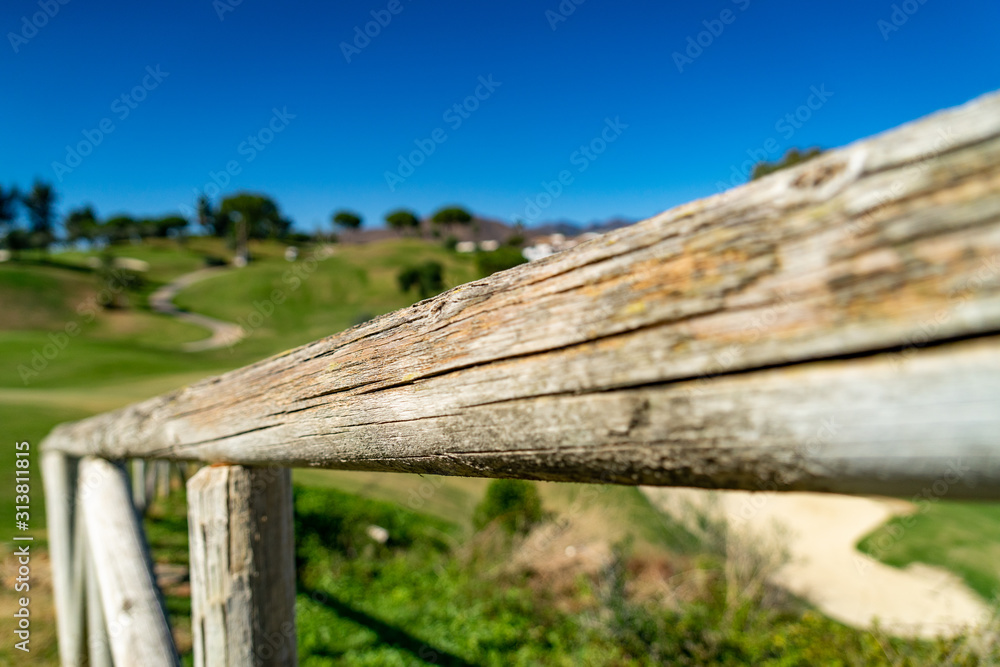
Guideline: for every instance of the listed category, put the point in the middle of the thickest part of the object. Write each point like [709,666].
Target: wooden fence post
[98,643]
[59,475]
[136,622]
[139,495]
[242,566]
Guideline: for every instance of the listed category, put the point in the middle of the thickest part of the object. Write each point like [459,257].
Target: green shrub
[501,259]
[513,503]
[428,278]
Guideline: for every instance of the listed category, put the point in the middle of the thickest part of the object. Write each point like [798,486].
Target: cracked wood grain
[242,566]
[889,246]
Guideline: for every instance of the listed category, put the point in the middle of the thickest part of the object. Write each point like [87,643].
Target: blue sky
[266,89]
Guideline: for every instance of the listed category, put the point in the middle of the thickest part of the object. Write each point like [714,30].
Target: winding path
[820,532]
[224,334]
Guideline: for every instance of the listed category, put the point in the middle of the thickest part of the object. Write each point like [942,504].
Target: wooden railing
[832,327]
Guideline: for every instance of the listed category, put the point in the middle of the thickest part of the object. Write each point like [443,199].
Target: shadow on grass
[386,633]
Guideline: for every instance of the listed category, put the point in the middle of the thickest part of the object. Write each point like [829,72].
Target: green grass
[30,360]
[34,296]
[963,537]
[284,304]
[606,512]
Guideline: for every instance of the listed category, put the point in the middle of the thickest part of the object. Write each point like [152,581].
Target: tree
[16,241]
[403,220]
[209,218]
[170,225]
[119,229]
[40,202]
[793,157]
[252,216]
[260,213]
[8,206]
[451,215]
[81,225]
[346,219]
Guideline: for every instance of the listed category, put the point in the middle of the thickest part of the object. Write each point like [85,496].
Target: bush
[115,283]
[513,503]
[214,260]
[299,237]
[428,278]
[501,259]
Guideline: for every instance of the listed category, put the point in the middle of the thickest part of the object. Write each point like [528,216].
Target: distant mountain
[569,229]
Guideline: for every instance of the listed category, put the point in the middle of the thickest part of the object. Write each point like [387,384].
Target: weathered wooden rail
[832,327]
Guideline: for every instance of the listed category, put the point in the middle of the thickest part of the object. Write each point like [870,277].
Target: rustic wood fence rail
[832,327]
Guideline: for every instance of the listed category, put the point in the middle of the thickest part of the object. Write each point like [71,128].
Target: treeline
[29,221]
[406,221]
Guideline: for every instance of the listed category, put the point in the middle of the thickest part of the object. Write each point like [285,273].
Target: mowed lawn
[963,537]
[284,304]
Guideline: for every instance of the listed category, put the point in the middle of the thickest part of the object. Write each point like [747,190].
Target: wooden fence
[832,327]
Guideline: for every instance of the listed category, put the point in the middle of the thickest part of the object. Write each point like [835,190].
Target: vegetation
[960,536]
[259,213]
[81,225]
[503,258]
[449,216]
[434,593]
[428,278]
[40,202]
[513,504]
[8,207]
[793,157]
[403,220]
[115,282]
[347,219]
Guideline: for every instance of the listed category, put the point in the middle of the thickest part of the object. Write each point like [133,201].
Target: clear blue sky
[686,130]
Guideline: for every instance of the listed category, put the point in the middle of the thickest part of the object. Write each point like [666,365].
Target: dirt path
[224,334]
[819,532]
